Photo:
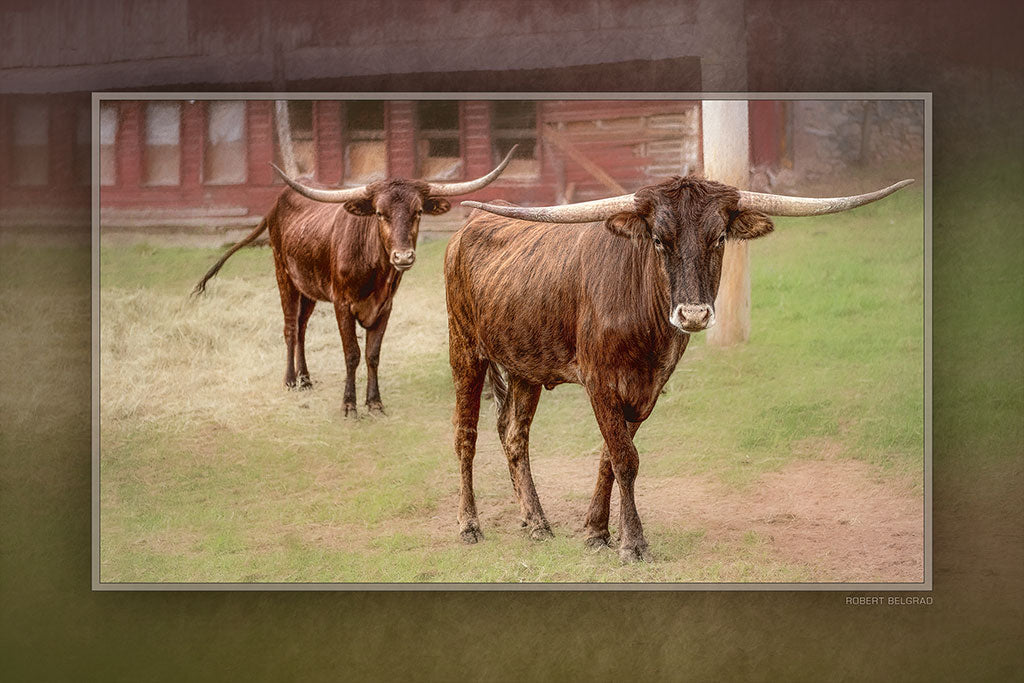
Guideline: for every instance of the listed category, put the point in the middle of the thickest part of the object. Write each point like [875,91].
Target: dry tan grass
[220,357]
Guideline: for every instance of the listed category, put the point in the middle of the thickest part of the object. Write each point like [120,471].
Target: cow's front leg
[468,375]
[347,327]
[374,336]
[625,462]
[596,524]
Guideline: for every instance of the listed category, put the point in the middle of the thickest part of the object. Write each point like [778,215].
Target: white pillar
[726,141]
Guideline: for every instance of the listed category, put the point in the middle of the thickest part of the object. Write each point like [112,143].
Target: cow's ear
[360,207]
[627,224]
[747,225]
[435,206]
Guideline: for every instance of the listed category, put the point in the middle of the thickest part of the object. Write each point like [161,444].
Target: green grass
[211,471]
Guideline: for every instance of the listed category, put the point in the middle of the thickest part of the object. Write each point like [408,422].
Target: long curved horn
[316,194]
[452,189]
[584,212]
[781,205]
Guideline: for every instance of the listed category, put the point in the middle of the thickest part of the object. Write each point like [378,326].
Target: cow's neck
[635,348]
[368,249]
[649,288]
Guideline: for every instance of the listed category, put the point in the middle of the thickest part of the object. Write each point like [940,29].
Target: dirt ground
[837,518]
[842,520]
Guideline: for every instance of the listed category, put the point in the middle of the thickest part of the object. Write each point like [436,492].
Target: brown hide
[349,254]
[604,305]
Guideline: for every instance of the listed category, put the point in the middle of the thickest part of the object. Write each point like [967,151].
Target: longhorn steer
[352,255]
[608,302]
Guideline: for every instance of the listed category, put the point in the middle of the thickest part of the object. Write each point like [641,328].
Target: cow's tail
[499,386]
[201,287]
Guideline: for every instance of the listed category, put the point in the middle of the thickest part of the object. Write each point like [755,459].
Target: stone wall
[833,135]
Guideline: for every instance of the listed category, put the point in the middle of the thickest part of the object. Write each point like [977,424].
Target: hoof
[541,533]
[305,382]
[375,408]
[596,543]
[350,410]
[471,534]
[631,555]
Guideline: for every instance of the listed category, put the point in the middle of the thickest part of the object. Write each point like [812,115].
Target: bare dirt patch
[828,519]
[839,520]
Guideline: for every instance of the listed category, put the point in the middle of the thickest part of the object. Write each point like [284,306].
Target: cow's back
[320,246]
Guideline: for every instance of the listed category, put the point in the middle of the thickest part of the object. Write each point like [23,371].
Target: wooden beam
[570,192]
[284,138]
[726,141]
[562,142]
[625,137]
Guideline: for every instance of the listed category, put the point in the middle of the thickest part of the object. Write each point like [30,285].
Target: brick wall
[400,124]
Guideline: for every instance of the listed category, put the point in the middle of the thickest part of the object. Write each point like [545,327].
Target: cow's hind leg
[306,306]
[290,297]
[374,337]
[347,327]
[596,523]
[514,421]
[468,373]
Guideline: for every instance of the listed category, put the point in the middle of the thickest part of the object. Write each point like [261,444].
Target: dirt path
[839,519]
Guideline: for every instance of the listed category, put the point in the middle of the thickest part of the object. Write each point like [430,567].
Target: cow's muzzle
[692,317]
[403,260]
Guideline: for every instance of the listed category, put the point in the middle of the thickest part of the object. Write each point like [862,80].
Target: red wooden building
[207,162]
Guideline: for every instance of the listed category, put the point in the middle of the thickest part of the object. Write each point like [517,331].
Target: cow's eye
[721,240]
[657,243]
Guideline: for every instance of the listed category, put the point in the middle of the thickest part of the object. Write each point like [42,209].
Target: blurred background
[203,165]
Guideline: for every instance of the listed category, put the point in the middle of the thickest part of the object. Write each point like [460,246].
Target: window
[365,145]
[224,160]
[515,123]
[108,140]
[83,147]
[30,156]
[300,125]
[163,151]
[437,148]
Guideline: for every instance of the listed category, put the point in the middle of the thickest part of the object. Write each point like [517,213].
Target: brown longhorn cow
[608,302]
[349,247]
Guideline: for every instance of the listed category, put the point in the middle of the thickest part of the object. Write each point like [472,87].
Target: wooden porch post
[727,159]
[284,137]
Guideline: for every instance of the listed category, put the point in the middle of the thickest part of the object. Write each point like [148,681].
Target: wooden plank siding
[614,145]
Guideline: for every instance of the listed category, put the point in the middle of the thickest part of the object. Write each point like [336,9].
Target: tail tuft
[498,385]
[200,287]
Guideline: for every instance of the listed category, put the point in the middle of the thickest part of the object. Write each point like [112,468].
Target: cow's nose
[693,317]
[403,259]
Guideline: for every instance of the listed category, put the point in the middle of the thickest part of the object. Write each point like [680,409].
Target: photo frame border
[925,585]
